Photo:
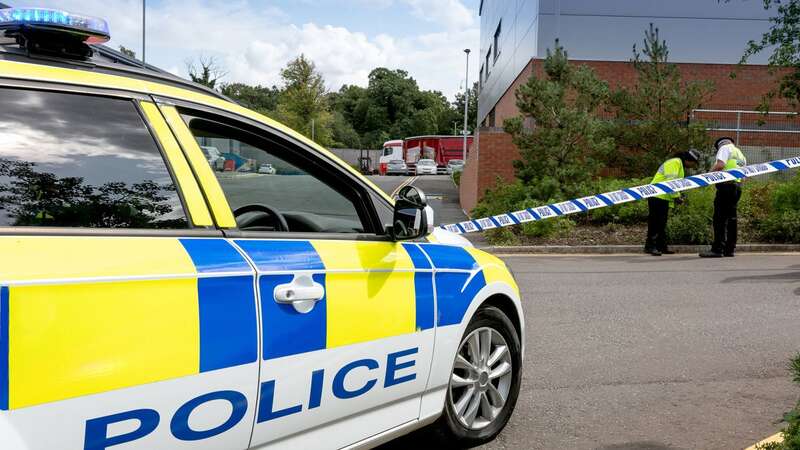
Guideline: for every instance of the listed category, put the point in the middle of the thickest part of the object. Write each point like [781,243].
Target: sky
[254,39]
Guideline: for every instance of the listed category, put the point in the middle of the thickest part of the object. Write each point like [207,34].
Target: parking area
[635,352]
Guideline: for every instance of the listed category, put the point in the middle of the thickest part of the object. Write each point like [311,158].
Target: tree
[564,149]
[783,40]
[652,118]
[205,70]
[303,102]
[472,109]
[259,98]
[127,52]
[392,106]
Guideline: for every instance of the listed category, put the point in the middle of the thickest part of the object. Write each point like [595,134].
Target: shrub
[457,177]
[791,433]
[625,214]
[775,210]
[506,198]
[690,223]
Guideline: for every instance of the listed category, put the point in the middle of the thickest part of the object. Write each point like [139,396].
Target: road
[442,194]
[634,352]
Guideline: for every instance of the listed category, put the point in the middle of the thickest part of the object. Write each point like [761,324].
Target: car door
[125,317]
[347,315]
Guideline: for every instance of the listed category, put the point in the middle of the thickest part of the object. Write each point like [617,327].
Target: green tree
[127,52]
[303,103]
[563,151]
[783,40]
[472,109]
[344,135]
[205,70]
[259,98]
[652,118]
[392,106]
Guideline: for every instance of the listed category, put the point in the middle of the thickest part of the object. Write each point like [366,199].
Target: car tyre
[453,429]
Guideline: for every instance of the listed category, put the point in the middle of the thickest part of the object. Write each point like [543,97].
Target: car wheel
[484,382]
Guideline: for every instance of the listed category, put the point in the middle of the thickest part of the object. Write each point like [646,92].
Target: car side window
[271,186]
[74,160]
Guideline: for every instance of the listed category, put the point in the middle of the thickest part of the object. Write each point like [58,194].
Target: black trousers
[657,224]
[726,226]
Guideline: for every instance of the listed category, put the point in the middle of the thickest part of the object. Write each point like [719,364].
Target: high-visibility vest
[735,160]
[672,169]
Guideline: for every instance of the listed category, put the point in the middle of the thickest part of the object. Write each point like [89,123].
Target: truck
[441,149]
[392,150]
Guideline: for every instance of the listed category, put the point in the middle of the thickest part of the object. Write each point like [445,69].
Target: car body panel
[88,334]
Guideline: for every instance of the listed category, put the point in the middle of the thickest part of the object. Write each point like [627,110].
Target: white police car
[148,301]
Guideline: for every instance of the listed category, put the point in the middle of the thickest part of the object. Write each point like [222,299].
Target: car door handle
[302,293]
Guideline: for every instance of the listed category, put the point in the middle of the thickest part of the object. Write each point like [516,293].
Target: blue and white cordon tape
[633,194]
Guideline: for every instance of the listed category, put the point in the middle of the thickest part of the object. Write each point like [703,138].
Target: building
[706,39]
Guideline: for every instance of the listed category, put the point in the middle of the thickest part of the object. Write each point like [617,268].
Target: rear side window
[71,160]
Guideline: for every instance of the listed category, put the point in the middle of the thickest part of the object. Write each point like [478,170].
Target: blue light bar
[92,29]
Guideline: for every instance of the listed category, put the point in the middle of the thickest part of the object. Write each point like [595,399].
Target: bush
[457,178]
[690,223]
[625,214]
[506,198]
[774,210]
[768,212]
[791,433]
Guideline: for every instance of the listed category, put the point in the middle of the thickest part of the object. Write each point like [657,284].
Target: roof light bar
[91,30]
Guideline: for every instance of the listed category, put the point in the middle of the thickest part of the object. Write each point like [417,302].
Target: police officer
[725,203]
[659,206]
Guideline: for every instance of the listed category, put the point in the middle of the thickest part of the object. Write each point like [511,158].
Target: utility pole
[144,33]
[466,106]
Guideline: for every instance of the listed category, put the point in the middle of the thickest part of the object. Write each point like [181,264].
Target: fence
[761,136]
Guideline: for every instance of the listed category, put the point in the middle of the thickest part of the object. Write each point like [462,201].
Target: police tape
[619,197]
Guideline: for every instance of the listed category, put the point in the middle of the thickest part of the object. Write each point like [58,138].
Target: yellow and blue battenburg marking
[372,291]
[100,314]
[458,281]
[108,313]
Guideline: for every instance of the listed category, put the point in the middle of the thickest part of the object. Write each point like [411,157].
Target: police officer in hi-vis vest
[659,206]
[728,194]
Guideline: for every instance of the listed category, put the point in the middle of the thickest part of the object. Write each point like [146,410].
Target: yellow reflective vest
[736,159]
[672,169]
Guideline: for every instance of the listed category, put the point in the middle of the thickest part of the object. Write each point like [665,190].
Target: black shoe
[654,252]
[667,252]
[710,254]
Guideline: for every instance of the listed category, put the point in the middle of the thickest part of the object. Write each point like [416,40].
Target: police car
[149,301]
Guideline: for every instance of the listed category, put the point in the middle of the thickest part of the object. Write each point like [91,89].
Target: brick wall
[495,151]
[492,160]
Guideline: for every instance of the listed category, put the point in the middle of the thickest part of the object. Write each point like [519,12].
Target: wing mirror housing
[412,217]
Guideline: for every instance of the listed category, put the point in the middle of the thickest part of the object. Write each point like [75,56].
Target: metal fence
[761,136]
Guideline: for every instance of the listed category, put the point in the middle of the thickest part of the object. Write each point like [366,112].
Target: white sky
[254,39]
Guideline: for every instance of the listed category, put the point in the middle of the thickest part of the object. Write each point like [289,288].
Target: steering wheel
[277,219]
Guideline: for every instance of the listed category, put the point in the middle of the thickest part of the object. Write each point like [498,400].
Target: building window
[488,61]
[497,40]
[480,76]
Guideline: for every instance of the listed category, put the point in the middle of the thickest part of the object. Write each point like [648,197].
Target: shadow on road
[789,277]
[637,446]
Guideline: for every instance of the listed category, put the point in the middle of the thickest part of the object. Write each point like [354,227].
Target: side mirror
[410,220]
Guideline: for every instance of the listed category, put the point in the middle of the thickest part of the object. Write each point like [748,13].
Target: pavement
[629,352]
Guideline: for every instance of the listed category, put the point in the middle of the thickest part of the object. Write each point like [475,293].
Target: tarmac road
[635,352]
